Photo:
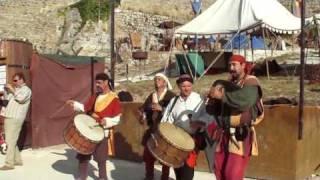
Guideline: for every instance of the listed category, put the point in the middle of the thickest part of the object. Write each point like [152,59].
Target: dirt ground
[138,80]
[59,163]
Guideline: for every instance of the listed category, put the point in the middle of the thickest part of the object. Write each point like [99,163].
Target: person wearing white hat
[151,113]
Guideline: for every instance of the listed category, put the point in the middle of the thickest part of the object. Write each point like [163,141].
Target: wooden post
[112,54]
[318,33]
[251,46]
[302,70]
[265,51]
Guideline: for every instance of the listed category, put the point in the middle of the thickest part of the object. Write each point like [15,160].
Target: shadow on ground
[70,165]
[132,171]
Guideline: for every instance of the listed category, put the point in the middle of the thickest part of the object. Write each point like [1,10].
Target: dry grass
[275,87]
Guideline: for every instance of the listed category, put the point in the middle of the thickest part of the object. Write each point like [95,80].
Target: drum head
[88,127]
[176,136]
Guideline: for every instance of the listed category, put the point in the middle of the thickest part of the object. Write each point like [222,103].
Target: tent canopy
[73,60]
[232,16]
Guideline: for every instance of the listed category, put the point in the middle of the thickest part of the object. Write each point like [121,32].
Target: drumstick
[155,140]
[93,126]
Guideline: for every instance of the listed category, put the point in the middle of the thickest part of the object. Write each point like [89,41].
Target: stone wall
[51,29]
[140,22]
[182,11]
[176,9]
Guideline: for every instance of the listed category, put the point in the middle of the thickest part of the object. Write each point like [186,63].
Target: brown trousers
[100,155]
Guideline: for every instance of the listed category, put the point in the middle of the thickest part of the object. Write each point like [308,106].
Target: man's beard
[99,90]
[234,75]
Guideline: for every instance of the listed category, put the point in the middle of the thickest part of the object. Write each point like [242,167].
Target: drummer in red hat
[241,101]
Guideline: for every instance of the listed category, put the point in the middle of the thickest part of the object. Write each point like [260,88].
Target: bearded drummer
[105,108]
[240,109]
[151,113]
[188,112]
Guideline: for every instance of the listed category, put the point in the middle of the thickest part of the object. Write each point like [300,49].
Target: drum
[83,134]
[171,145]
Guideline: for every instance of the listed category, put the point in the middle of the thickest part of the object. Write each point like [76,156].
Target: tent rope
[220,54]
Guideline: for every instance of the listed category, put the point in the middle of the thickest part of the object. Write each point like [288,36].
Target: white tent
[234,16]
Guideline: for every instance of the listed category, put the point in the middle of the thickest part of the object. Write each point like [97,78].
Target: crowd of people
[226,115]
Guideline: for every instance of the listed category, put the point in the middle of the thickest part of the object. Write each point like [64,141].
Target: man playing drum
[239,109]
[151,112]
[188,112]
[105,108]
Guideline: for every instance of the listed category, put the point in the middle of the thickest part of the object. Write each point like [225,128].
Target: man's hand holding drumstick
[74,104]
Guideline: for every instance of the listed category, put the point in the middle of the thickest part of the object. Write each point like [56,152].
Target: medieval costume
[103,106]
[153,119]
[236,114]
[181,112]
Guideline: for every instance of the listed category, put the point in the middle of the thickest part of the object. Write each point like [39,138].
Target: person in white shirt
[18,95]
[188,112]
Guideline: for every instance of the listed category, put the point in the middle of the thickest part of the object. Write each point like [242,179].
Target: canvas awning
[232,16]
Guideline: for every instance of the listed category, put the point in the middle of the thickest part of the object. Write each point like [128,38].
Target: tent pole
[251,46]
[245,47]
[302,71]
[197,54]
[211,64]
[92,75]
[168,62]
[112,59]
[267,33]
[292,44]
[186,59]
[265,51]
[318,33]
[239,43]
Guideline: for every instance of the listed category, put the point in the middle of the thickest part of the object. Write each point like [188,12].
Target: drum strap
[91,111]
[173,104]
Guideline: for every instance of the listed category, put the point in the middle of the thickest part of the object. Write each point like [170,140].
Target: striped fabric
[18,105]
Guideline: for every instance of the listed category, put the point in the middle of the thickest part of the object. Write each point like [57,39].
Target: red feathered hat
[238,58]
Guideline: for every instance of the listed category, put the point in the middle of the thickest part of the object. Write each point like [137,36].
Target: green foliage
[89,9]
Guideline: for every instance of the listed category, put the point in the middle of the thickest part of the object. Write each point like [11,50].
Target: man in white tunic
[188,112]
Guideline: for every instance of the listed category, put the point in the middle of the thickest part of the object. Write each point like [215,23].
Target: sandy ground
[59,163]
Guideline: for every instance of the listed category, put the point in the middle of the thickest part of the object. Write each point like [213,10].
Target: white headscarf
[165,78]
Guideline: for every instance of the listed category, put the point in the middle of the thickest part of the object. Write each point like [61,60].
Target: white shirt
[193,105]
[18,104]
